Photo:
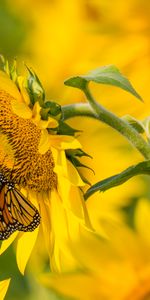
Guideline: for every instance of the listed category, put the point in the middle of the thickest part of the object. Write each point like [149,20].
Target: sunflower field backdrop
[59,39]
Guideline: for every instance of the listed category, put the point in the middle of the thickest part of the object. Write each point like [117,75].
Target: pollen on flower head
[29,168]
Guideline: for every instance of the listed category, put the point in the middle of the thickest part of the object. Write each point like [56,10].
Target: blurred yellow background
[62,38]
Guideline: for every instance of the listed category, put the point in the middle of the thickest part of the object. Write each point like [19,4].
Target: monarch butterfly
[16,212]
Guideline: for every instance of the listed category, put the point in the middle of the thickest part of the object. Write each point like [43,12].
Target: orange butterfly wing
[16,212]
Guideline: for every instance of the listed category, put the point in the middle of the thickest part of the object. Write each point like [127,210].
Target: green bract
[35,88]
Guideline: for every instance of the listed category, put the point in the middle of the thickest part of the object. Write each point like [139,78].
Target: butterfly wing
[16,212]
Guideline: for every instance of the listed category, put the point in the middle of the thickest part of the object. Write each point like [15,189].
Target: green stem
[77,110]
[98,112]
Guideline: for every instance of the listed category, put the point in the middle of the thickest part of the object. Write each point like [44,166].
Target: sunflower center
[21,138]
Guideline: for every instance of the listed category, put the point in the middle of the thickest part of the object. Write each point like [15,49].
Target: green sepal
[79,82]
[9,68]
[5,65]
[66,129]
[77,152]
[78,164]
[104,75]
[13,71]
[84,179]
[136,124]
[51,108]
[35,88]
[115,180]
[72,155]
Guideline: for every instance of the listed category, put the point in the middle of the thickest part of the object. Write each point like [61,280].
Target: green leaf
[136,124]
[110,182]
[105,75]
[78,82]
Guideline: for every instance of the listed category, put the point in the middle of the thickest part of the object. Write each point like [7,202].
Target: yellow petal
[50,123]
[65,168]
[21,109]
[46,221]
[27,239]
[64,187]
[75,285]
[73,175]
[44,145]
[64,142]
[120,235]
[60,162]
[25,246]
[23,90]
[36,112]
[3,288]
[6,84]
[8,242]
[64,230]
[78,206]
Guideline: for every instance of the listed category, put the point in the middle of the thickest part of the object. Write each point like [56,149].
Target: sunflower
[38,179]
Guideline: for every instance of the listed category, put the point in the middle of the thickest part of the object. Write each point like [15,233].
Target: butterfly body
[16,211]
